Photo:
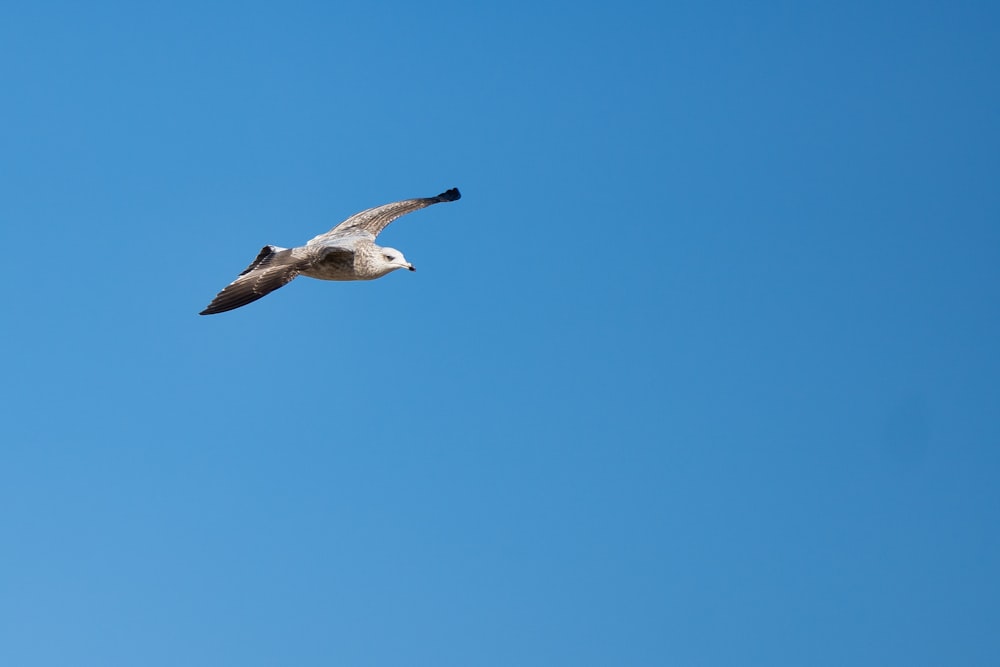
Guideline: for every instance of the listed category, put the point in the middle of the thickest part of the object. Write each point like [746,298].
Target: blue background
[702,369]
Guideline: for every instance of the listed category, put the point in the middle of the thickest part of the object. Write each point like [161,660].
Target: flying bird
[346,252]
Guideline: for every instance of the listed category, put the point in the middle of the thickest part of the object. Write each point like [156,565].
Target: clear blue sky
[703,369]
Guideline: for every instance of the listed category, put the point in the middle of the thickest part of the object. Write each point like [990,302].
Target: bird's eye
[389,257]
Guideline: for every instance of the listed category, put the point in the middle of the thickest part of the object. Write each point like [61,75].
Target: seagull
[346,252]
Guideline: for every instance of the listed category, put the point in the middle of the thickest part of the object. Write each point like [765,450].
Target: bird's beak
[411,267]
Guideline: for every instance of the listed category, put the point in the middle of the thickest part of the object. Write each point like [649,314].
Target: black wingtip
[449,195]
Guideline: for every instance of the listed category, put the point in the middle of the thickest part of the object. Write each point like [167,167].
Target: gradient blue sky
[703,369]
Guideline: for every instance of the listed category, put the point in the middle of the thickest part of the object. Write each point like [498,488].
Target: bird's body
[346,252]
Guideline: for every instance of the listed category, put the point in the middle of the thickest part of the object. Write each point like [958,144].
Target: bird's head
[393,259]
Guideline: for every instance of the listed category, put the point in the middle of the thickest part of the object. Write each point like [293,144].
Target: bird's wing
[273,268]
[374,220]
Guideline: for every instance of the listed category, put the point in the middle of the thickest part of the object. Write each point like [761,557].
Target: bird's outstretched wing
[374,220]
[274,267]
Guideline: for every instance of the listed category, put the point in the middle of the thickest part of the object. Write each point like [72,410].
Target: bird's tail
[267,255]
